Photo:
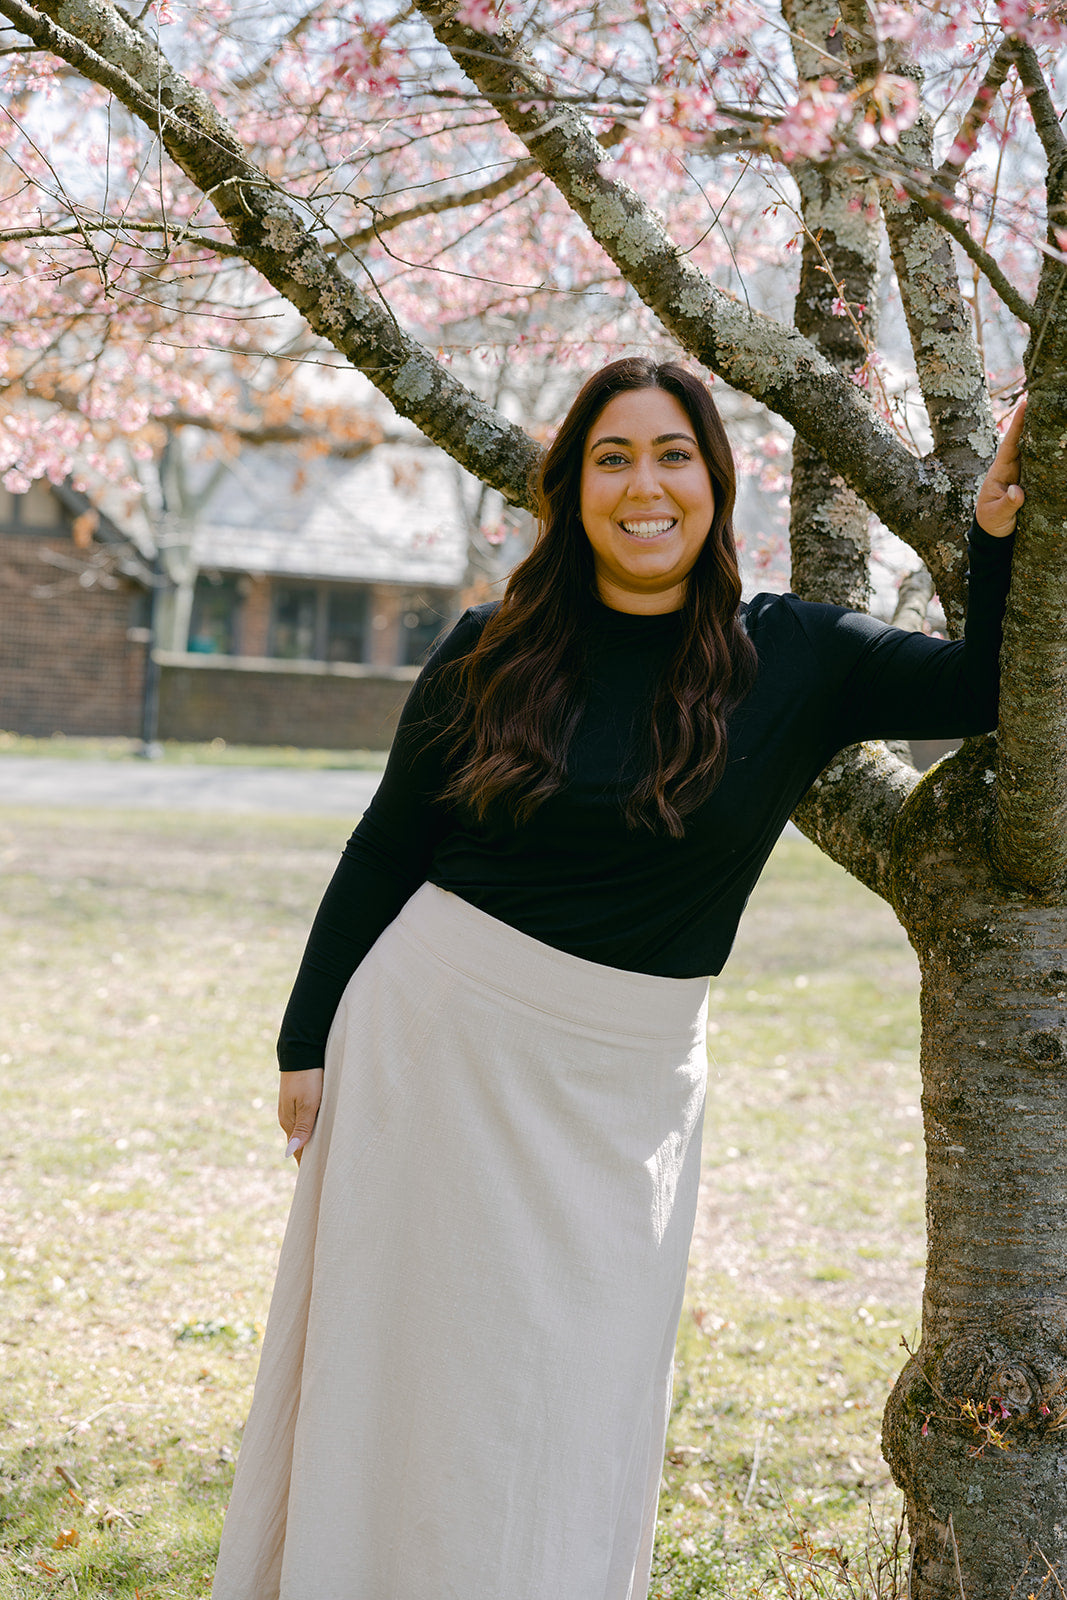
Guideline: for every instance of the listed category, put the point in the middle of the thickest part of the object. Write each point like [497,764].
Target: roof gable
[392,516]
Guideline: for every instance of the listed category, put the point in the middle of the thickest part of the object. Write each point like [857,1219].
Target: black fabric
[576,877]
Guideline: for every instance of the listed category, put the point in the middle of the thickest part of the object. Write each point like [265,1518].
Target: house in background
[74,611]
[298,602]
[336,561]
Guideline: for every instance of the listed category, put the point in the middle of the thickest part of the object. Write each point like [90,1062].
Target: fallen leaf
[66,1539]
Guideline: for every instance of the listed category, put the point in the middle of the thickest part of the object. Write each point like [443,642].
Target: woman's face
[647,502]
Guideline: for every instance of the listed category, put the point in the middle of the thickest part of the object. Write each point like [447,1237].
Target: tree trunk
[973,1430]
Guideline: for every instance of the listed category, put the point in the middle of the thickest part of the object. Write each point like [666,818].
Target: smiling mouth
[648,529]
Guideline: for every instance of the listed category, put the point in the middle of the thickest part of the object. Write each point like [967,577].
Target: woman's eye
[612,460]
[677,455]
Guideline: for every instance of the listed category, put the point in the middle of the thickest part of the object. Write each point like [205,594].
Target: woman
[466,1374]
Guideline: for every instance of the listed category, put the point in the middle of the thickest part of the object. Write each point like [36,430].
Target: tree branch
[255,76]
[1046,121]
[913,601]
[113,226]
[272,236]
[851,809]
[1001,285]
[1031,824]
[978,114]
[940,323]
[755,353]
[829,525]
[385,222]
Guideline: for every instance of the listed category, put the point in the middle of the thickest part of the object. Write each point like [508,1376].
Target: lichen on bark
[972,1428]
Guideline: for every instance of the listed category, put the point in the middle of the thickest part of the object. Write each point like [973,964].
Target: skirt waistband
[537,975]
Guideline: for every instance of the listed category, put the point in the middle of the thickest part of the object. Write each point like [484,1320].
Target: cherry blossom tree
[432,193]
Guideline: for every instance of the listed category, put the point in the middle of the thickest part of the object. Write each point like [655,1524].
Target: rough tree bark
[973,1430]
[829,525]
[858,796]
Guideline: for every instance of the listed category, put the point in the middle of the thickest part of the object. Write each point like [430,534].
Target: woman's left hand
[299,1096]
[1000,495]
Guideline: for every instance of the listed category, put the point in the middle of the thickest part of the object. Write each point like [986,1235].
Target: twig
[755,1466]
[111,1405]
[385,222]
[951,1534]
[1053,1574]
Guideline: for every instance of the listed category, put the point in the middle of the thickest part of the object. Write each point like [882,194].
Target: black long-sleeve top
[576,876]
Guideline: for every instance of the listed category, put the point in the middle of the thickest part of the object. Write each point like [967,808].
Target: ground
[143,1194]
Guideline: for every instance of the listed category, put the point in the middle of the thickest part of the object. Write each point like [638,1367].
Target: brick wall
[67,661]
[309,704]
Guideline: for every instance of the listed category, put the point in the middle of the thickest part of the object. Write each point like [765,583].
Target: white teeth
[648,530]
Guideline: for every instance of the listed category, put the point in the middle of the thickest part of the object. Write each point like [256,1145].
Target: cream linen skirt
[466,1371]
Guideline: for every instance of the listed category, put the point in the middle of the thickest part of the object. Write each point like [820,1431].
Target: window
[213,622]
[36,511]
[38,508]
[319,622]
[421,622]
[293,623]
[347,616]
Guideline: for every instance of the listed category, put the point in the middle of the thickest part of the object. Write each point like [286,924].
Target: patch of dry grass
[142,1186]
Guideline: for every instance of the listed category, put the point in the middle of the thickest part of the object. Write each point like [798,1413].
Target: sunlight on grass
[143,1192]
[211,752]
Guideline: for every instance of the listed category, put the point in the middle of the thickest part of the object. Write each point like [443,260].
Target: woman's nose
[644,484]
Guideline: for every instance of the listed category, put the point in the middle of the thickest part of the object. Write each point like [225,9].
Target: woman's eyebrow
[661,438]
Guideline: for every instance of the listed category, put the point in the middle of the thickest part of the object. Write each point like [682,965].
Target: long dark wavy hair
[520,693]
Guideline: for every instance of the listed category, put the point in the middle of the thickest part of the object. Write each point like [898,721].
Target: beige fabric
[466,1372]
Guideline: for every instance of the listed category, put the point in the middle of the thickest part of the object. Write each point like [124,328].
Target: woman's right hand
[299,1095]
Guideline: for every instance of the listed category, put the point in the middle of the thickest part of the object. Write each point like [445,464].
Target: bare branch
[297,433]
[114,226]
[386,222]
[253,78]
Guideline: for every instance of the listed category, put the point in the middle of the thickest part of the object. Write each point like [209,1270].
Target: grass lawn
[146,958]
[213,753]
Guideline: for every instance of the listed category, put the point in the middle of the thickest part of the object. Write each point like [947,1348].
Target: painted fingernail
[294,1145]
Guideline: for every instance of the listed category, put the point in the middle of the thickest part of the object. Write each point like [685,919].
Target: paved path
[162,785]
